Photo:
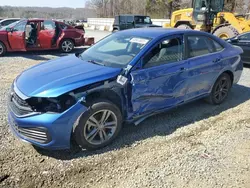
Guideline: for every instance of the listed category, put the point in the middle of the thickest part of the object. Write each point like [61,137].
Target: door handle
[216,60]
[183,69]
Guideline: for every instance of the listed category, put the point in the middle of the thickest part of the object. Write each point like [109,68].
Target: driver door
[162,82]
[17,37]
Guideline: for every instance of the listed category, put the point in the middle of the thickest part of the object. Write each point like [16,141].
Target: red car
[40,34]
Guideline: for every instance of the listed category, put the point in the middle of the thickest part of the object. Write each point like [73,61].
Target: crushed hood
[62,75]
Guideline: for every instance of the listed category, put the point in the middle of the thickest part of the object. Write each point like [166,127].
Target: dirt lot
[196,145]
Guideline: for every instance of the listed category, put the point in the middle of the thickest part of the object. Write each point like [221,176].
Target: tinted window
[122,19]
[199,45]
[48,25]
[244,37]
[130,19]
[7,22]
[167,51]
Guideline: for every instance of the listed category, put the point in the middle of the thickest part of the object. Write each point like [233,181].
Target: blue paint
[148,91]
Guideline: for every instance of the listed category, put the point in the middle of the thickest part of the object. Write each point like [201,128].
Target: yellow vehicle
[210,16]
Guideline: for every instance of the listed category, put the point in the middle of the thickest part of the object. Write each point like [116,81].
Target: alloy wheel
[67,46]
[100,127]
[221,90]
[1,49]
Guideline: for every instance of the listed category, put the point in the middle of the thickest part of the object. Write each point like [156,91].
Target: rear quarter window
[199,46]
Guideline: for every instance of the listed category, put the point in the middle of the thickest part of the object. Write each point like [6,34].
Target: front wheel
[98,126]
[2,49]
[220,90]
[67,46]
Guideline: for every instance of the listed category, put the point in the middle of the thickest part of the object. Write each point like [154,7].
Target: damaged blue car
[126,77]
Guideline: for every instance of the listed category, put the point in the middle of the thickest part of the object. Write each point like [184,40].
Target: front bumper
[58,127]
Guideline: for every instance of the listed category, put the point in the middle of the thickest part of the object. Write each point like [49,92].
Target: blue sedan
[126,77]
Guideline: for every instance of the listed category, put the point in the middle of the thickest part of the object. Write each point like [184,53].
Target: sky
[44,3]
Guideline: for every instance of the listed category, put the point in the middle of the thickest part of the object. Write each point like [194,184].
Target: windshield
[116,50]
[216,6]
[8,26]
[143,20]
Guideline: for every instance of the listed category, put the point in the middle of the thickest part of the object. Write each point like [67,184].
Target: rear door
[17,37]
[205,62]
[162,82]
[130,22]
[244,42]
[46,33]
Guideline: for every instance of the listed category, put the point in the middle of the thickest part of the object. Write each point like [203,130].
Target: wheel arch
[106,94]
[68,38]
[184,22]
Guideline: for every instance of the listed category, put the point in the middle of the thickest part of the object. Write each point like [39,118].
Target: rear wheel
[226,32]
[67,45]
[220,90]
[98,126]
[2,49]
[183,26]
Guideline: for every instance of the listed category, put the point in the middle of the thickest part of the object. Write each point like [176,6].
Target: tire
[89,130]
[2,49]
[220,90]
[115,30]
[67,46]
[183,26]
[226,32]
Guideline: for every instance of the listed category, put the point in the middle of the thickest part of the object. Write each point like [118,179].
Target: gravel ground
[195,145]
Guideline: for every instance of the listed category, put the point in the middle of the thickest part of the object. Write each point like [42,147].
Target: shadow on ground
[43,55]
[160,125]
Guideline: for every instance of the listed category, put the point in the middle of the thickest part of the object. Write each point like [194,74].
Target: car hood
[62,75]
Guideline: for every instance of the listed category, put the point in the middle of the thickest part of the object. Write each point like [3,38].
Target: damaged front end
[45,122]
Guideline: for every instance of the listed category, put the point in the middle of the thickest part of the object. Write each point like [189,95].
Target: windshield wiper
[95,62]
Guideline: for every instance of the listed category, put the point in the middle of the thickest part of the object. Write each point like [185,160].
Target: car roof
[10,19]
[158,32]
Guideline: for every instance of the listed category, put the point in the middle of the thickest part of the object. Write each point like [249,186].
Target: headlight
[55,105]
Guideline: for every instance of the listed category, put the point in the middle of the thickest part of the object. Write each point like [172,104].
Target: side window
[122,19]
[20,26]
[130,19]
[199,46]
[6,22]
[244,37]
[168,51]
[48,25]
[63,26]
[217,46]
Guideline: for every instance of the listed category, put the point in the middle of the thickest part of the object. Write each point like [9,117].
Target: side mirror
[234,40]
[8,29]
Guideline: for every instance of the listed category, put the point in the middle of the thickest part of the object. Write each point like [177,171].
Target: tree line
[154,8]
[46,12]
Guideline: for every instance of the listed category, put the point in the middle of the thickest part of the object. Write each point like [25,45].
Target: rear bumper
[87,41]
[58,127]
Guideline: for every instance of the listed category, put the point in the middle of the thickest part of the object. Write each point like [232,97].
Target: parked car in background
[129,21]
[242,41]
[126,77]
[8,21]
[40,34]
